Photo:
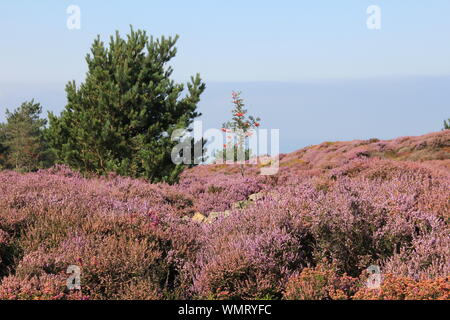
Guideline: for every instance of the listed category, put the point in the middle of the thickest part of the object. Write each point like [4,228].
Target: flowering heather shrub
[110,264]
[46,287]
[320,283]
[5,253]
[218,193]
[248,255]
[323,284]
[399,288]
[329,155]
[347,205]
[104,227]
[426,258]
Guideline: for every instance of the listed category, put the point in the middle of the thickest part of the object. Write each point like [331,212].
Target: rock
[198,217]
[256,196]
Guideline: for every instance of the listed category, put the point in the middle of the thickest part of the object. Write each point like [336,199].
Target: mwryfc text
[244,309]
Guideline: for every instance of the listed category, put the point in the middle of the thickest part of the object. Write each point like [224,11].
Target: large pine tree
[122,117]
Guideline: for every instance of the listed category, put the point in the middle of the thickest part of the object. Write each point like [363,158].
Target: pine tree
[447,124]
[23,143]
[122,117]
[3,148]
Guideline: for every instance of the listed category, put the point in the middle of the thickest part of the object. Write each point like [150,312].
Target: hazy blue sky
[310,68]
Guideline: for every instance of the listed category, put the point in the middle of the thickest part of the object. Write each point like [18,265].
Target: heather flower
[308,232]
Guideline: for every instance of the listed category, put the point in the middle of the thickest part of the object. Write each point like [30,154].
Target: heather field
[308,232]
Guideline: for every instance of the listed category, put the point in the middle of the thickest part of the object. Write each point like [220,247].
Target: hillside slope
[332,210]
[432,148]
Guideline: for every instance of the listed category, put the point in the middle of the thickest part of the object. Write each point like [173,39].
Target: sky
[312,69]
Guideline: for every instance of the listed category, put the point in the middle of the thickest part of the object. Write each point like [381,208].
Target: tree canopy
[122,117]
[22,145]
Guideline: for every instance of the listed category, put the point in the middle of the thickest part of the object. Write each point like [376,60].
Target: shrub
[45,287]
[320,283]
[306,233]
[399,288]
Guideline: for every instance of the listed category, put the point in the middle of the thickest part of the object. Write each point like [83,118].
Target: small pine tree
[23,142]
[447,124]
[240,127]
[122,117]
